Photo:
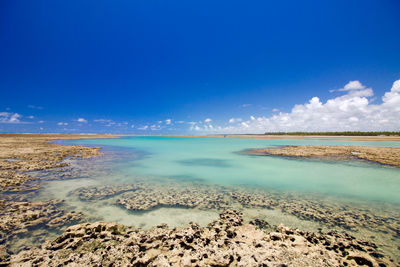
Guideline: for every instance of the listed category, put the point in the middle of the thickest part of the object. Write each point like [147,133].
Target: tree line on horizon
[348,133]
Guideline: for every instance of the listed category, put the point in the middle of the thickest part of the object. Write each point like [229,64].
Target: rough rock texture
[145,196]
[103,192]
[13,181]
[226,242]
[20,217]
[343,216]
[326,212]
[23,152]
[255,199]
[150,197]
[383,155]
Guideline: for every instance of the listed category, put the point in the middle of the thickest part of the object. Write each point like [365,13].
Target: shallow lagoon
[216,160]
[369,188]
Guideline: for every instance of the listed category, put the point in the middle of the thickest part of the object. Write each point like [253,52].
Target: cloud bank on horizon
[353,111]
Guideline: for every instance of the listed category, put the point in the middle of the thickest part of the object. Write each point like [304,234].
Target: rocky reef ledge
[225,242]
[21,153]
[382,155]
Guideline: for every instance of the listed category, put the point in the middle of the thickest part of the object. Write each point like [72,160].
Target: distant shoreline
[289,137]
[234,136]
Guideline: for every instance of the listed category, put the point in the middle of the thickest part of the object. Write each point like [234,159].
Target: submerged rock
[175,195]
[103,192]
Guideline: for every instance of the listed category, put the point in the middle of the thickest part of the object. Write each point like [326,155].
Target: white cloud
[62,123]
[180,122]
[8,117]
[31,117]
[353,111]
[155,127]
[275,110]
[245,105]
[208,120]
[352,85]
[244,124]
[233,120]
[168,121]
[81,120]
[143,127]
[103,121]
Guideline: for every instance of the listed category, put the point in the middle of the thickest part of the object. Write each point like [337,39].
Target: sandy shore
[225,242]
[383,155]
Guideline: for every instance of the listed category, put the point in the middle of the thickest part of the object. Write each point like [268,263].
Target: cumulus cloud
[352,85]
[9,117]
[353,111]
[168,121]
[82,120]
[208,120]
[62,123]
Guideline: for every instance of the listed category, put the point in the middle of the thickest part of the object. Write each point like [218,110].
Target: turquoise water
[357,197]
[217,161]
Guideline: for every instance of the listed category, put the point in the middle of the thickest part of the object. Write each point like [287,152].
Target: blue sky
[183,66]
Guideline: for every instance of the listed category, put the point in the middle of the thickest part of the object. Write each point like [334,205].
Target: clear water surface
[217,161]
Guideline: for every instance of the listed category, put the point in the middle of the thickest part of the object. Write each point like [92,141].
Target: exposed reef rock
[13,181]
[226,242]
[383,155]
[18,218]
[22,153]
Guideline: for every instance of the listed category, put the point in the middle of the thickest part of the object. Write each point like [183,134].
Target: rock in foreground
[226,242]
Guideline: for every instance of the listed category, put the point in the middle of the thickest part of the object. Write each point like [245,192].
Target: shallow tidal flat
[383,155]
[148,190]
